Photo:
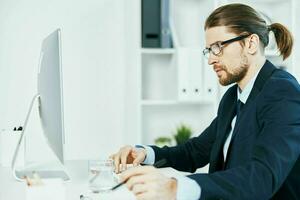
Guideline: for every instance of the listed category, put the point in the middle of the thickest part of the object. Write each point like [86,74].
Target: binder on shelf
[166,36]
[210,83]
[183,84]
[195,60]
[151,23]
[156,31]
[190,76]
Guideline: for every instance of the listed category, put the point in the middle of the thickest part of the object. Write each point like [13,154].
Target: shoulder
[279,99]
[281,84]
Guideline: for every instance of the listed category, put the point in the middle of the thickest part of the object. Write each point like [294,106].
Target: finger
[139,188]
[139,179]
[139,158]
[117,162]
[145,196]
[135,180]
[124,157]
[111,156]
[136,171]
[134,152]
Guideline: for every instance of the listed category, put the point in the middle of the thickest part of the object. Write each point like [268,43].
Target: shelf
[174,102]
[157,51]
[158,121]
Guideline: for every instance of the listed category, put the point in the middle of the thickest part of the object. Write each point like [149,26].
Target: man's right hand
[128,155]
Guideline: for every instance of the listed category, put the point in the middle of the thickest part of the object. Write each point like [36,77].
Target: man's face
[231,65]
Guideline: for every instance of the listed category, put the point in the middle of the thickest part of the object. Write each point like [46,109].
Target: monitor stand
[43,174]
[28,171]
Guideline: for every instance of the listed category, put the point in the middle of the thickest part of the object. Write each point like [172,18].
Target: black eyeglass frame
[221,44]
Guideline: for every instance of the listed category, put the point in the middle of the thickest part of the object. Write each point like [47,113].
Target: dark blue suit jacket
[263,161]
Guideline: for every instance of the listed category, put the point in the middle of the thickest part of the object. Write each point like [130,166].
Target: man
[253,144]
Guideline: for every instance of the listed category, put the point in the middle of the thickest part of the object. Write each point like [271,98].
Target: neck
[254,67]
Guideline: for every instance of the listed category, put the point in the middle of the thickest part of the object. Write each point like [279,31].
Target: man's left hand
[147,183]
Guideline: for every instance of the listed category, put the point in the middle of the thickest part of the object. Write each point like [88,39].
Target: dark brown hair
[243,19]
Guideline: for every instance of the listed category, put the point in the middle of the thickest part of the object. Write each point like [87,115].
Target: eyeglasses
[217,47]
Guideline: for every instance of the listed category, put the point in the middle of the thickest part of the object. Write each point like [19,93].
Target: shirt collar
[243,95]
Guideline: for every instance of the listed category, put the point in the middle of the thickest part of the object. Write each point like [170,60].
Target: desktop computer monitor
[50,102]
[51,93]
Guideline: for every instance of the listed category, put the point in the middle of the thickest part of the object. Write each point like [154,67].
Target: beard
[237,74]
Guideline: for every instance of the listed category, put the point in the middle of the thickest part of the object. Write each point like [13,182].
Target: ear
[252,44]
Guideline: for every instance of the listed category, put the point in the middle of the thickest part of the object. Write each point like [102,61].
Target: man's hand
[147,183]
[128,155]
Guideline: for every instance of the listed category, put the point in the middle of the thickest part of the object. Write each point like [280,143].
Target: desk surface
[10,189]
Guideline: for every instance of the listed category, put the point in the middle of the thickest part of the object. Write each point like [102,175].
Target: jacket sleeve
[192,154]
[276,149]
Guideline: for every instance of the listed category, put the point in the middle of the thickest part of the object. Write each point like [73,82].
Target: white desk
[10,189]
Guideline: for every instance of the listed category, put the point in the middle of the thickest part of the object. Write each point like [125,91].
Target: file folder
[156,31]
[190,75]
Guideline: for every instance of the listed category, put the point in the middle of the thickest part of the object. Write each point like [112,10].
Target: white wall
[93,69]
[132,17]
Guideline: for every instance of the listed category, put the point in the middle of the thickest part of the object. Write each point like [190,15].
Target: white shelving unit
[175,86]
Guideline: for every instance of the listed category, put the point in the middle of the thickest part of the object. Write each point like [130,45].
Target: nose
[212,59]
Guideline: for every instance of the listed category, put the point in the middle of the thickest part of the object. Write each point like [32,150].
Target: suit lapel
[263,75]
[228,112]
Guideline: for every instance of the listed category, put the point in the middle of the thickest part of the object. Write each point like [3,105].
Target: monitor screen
[50,89]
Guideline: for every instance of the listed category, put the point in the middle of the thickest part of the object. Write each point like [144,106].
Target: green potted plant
[183,133]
